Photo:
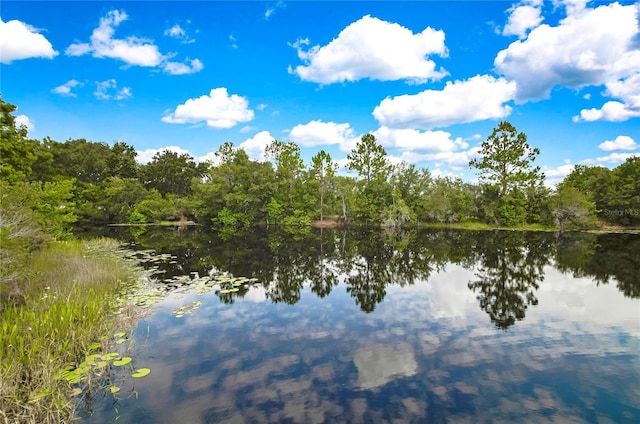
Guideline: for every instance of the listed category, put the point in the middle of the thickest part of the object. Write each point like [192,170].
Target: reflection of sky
[427,353]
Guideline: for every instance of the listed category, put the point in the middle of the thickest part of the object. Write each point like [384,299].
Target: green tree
[289,169]
[323,171]
[592,181]
[369,160]
[623,199]
[410,183]
[121,161]
[507,164]
[55,207]
[170,172]
[16,151]
[241,186]
[446,200]
[154,208]
[572,210]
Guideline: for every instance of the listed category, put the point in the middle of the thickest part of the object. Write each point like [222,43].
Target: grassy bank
[602,227]
[484,226]
[68,306]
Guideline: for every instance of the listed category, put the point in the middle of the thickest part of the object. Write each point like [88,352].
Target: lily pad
[114,389]
[122,361]
[141,372]
[95,346]
[119,335]
[110,356]
[75,392]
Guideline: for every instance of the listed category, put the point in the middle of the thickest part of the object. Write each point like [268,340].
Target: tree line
[80,182]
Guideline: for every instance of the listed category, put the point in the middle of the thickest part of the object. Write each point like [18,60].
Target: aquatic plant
[48,342]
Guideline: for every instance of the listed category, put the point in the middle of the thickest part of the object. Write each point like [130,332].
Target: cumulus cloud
[179,68]
[612,111]
[218,109]
[24,120]
[588,47]
[132,50]
[107,90]
[478,98]
[369,48]
[612,158]
[256,145]
[210,157]
[457,160]
[622,142]
[522,18]
[415,140]
[21,41]
[557,174]
[627,90]
[145,156]
[66,88]
[318,133]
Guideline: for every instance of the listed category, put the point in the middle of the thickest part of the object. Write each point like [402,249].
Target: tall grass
[70,304]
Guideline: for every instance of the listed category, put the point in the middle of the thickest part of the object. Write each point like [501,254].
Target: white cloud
[24,120]
[557,174]
[440,173]
[318,133]
[210,157]
[626,89]
[411,139]
[177,68]
[271,10]
[622,142]
[588,47]
[478,98]
[21,41]
[179,33]
[233,40]
[610,111]
[107,90]
[65,89]
[454,160]
[218,110]
[374,49]
[612,158]
[256,145]
[132,50]
[247,128]
[145,156]
[522,18]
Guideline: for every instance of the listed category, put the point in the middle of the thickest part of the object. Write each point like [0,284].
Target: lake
[368,326]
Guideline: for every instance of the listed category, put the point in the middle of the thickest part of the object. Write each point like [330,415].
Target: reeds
[69,305]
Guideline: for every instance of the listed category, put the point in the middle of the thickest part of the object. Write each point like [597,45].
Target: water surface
[370,326]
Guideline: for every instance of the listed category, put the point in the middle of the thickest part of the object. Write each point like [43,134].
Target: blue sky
[430,79]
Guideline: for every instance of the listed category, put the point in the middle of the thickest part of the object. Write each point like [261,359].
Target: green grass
[70,294]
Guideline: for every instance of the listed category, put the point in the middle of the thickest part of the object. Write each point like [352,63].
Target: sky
[430,79]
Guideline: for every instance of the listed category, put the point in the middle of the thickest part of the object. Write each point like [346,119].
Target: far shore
[332,223]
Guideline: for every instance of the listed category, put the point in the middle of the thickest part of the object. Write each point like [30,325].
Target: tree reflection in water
[510,270]
[509,266]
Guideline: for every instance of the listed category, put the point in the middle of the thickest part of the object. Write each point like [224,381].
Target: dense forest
[59,185]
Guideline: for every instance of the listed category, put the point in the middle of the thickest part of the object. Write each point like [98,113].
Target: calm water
[376,327]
